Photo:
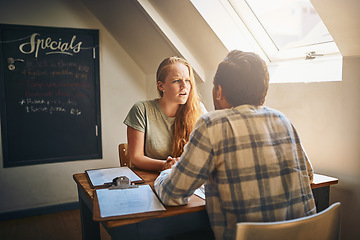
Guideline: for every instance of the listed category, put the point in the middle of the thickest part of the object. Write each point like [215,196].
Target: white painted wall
[326,116]
[122,83]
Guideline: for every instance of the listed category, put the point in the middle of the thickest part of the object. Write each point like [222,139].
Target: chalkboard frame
[6,146]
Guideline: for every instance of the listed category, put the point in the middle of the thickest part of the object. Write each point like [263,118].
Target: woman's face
[177,84]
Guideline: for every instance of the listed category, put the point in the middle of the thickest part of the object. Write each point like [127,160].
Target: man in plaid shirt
[249,156]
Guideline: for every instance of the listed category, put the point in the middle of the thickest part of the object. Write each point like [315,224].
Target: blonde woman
[158,129]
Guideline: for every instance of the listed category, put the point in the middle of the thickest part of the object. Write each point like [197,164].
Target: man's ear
[219,93]
[221,99]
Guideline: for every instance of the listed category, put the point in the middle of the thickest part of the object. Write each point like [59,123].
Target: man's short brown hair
[244,78]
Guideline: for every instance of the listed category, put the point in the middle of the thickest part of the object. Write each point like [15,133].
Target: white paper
[99,177]
[119,202]
[200,192]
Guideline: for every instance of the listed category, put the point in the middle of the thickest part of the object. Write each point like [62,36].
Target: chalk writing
[42,105]
[29,93]
[49,46]
[54,86]
[44,109]
[48,102]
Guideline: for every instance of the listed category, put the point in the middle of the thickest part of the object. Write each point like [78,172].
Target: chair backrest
[324,225]
[124,160]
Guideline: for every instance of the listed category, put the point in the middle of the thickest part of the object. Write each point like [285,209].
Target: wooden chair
[324,225]
[124,160]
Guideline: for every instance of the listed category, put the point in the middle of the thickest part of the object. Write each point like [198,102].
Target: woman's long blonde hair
[188,113]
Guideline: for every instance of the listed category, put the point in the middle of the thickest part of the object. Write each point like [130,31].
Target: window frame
[254,26]
[325,64]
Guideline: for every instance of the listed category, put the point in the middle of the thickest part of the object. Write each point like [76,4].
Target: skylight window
[285,29]
[288,34]
[290,23]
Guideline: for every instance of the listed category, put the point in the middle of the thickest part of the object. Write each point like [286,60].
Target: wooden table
[321,190]
[174,221]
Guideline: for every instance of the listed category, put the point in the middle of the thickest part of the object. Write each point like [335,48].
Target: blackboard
[50,94]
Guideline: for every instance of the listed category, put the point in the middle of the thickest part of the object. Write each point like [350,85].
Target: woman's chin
[182,102]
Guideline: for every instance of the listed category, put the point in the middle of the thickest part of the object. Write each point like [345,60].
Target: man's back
[254,166]
[260,168]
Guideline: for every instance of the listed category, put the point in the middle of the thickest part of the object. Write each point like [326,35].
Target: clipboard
[114,204]
[103,177]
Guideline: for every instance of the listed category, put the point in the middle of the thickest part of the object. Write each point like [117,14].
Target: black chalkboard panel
[50,96]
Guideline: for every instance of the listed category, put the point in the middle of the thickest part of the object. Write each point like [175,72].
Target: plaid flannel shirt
[253,166]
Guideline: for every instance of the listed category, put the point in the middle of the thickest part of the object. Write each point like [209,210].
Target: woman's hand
[170,161]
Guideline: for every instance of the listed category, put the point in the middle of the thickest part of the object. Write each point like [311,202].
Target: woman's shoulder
[145,104]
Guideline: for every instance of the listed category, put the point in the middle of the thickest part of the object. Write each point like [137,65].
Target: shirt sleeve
[174,186]
[301,152]
[310,169]
[136,117]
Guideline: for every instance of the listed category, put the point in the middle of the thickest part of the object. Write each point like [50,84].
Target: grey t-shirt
[147,117]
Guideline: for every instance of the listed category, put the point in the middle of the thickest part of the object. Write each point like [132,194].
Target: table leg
[321,196]
[90,229]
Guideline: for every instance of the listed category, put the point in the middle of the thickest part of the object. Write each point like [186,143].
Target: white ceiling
[133,30]
[342,19]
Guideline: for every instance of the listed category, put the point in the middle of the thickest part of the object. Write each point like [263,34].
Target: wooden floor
[65,226]
[56,226]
